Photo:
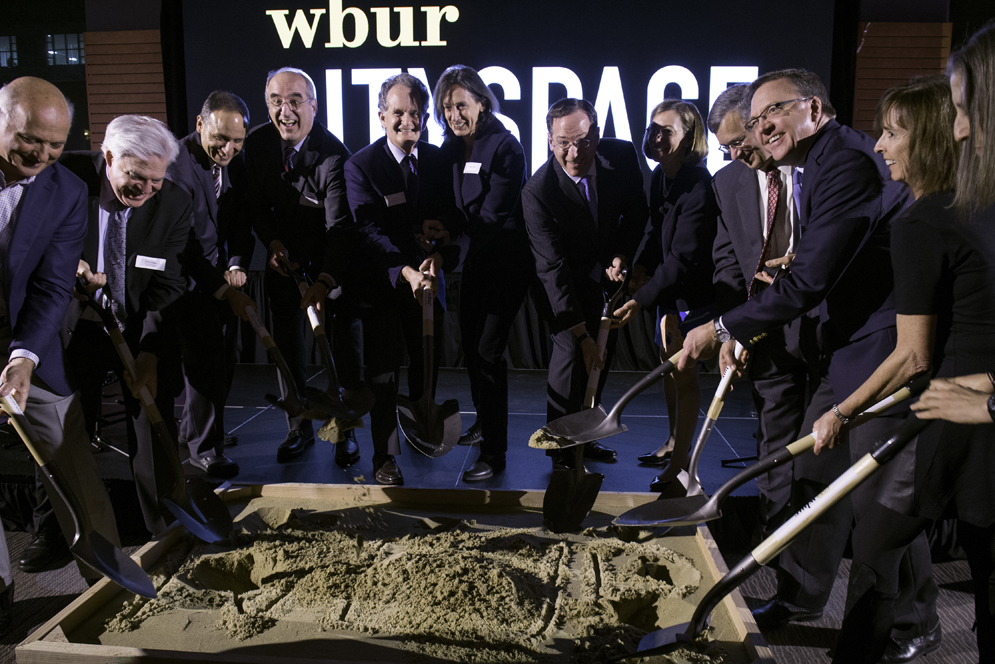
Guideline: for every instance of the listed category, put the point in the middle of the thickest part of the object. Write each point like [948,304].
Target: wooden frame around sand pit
[49,644]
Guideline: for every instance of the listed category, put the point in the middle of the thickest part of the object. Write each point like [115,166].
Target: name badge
[395,199]
[472,167]
[150,263]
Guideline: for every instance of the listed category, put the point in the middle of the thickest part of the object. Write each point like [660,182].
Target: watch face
[991,407]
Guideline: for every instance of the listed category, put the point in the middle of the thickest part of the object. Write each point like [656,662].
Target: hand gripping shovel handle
[604,328]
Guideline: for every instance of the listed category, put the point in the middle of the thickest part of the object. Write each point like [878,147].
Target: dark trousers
[488,307]
[287,326]
[568,375]
[380,331]
[199,328]
[155,463]
[808,567]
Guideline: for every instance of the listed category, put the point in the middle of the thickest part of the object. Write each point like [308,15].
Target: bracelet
[840,416]
[582,337]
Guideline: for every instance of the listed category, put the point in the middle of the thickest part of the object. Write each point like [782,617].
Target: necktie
[216,173]
[773,196]
[585,188]
[409,167]
[412,163]
[114,264]
[288,159]
[796,193]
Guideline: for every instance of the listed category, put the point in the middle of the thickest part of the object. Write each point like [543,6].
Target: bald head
[34,123]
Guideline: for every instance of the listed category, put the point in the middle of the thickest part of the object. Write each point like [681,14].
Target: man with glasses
[756,236]
[846,201]
[297,202]
[585,211]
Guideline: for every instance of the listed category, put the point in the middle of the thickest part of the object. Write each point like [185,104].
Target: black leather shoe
[906,650]
[7,606]
[389,473]
[46,552]
[484,468]
[216,465]
[473,435]
[231,441]
[659,484]
[347,451]
[597,452]
[775,614]
[652,459]
[294,445]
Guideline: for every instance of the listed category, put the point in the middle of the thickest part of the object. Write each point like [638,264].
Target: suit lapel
[34,209]
[390,170]
[748,200]
[606,201]
[139,226]
[579,209]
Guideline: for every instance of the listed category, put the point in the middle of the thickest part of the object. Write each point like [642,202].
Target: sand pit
[384,583]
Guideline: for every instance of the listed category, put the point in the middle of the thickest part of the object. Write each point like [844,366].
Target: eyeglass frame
[727,148]
[294,104]
[580,145]
[765,114]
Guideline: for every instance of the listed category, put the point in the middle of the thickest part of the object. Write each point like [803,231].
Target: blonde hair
[694,128]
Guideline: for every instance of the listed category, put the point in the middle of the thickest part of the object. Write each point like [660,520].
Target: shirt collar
[398,153]
[591,172]
[108,200]
[24,181]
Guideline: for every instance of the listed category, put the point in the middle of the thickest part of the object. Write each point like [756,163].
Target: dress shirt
[10,200]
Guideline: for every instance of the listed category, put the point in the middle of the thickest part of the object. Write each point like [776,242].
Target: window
[8,51]
[65,49]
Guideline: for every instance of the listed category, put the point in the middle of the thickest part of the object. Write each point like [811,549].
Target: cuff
[21,352]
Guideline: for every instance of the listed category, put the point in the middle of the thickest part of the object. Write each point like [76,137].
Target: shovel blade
[208,518]
[431,429]
[96,552]
[670,512]
[583,427]
[664,641]
[569,499]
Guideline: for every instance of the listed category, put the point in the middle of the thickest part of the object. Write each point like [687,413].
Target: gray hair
[418,90]
[141,137]
[730,100]
[311,90]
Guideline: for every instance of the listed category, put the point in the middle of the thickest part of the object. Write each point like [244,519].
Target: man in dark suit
[211,170]
[846,201]
[298,207]
[43,217]
[138,226]
[397,187]
[585,211]
[747,190]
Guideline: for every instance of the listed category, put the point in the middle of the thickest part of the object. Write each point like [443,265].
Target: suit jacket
[491,198]
[40,270]
[220,236]
[385,229]
[738,235]
[306,208]
[843,259]
[571,250]
[158,229]
[678,250]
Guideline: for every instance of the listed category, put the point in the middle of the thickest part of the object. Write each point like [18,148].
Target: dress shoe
[473,435]
[46,552]
[659,484]
[906,650]
[652,459]
[347,451]
[215,465]
[484,468]
[231,441]
[597,452]
[775,614]
[294,445]
[388,473]
[564,459]
[7,606]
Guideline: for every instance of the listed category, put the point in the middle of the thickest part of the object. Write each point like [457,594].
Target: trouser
[155,463]
[488,307]
[287,327]
[567,381]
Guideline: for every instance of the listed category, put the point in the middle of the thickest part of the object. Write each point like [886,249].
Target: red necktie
[773,192]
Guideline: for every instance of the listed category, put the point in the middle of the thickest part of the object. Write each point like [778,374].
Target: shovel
[594,424]
[329,404]
[88,546]
[293,403]
[697,509]
[670,639]
[431,429]
[572,491]
[208,518]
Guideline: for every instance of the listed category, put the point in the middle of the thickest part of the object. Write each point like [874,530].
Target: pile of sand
[447,588]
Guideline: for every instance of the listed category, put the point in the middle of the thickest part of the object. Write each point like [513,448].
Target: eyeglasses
[564,146]
[294,104]
[726,148]
[771,111]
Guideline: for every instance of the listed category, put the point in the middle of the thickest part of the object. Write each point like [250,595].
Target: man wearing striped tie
[211,168]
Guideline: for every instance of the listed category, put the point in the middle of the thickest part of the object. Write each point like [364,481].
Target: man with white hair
[138,226]
[42,224]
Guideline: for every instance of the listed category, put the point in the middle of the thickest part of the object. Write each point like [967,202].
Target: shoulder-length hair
[975,61]
[694,128]
[468,79]
[924,108]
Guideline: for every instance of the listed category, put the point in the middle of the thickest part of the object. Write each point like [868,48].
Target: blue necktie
[796,192]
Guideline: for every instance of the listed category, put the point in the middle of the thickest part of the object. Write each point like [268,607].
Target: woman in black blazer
[674,271]
[488,174]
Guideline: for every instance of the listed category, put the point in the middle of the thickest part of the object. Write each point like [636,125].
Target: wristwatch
[721,334]
[991,407]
